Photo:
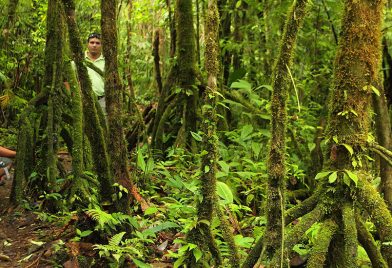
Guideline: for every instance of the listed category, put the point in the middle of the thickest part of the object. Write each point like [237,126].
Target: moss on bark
[323,238]
[373,203]
[93,128]
[113,94]
[277,150]
[367,241]
[180,81]
[350,235]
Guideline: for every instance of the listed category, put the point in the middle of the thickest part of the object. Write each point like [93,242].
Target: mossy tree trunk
[345,189]
[11,10]
[384,138]
[172,26]
[54,82]
[24,158]
[274,239]
[179,94]
[113,95]
[208,206]
[225,30]
[92,125]
[50,102]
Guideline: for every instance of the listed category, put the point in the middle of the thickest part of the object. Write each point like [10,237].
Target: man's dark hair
[93,35]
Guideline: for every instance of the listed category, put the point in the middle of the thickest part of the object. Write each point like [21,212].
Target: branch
[382,155]
[303,208]
[376,146]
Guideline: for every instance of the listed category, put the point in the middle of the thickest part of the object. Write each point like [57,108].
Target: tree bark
[113,95]
[93,127]
[383,130]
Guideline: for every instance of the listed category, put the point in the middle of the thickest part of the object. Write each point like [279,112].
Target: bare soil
[20,232]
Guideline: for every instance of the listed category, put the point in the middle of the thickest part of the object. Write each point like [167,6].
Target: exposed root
[350,236]
[373,203]
[323,239]
[366,239]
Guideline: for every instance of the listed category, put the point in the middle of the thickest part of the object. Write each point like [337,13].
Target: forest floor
[26,241]
[20,232]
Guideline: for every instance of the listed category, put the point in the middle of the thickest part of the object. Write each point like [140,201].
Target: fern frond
[101,217]
[116,239]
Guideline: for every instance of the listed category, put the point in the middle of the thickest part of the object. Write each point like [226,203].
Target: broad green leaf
[301,249]
[352,176]
[224,192]
[322,175]
[179,262]
[249,198]
[206,222]
[242,241]
[117,256]
[246,131]
[196,136]
[140,264]
[346,179]
[332,178]
[335,139]
[206,168]
[256,148]
[140,160]
[242,84]
[150,210]
[3,77]
[161,227]
[349,148]
[224,166]
[86,233]
[197,253]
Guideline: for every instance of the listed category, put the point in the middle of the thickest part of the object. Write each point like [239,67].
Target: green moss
[277,146]
[92,126]
[319,251]
[356,69]
[350,235]
[373,203]
[369,244]
[304,207]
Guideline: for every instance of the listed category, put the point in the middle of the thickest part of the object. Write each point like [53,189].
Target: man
[94,56]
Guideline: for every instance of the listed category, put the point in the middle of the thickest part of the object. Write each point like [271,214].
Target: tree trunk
[179,95]
[273,241]
[383,130]
[6,31]
[202,234]
[93,127]
[113,95]
[277,151]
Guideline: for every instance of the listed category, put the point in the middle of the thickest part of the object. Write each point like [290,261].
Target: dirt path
[19,230]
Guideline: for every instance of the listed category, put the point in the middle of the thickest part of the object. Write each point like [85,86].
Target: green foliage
[171,185]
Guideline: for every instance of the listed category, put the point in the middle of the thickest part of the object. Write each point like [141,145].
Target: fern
[102,218]
[116,239]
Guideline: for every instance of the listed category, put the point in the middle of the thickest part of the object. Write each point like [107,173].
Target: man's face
[94,46]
